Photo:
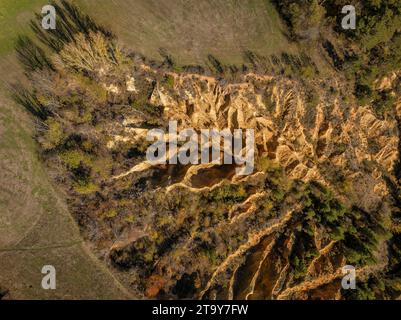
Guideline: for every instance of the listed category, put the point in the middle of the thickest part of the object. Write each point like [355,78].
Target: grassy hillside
[13,20]
[190,30]
[35,227]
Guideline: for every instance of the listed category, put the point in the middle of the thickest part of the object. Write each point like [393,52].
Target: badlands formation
[322,194]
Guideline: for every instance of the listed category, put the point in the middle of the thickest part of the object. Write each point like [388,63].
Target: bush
[228,194]
[85,187]
[54,136]
[74,158]
[168,82]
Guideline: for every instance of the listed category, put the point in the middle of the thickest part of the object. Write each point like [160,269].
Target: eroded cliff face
[318,198]
[342,146]
[317,142]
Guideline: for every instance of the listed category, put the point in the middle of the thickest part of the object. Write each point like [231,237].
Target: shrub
[73,158]
[85,187]
[228,193]
[54,136]
[168,82]
[112,213]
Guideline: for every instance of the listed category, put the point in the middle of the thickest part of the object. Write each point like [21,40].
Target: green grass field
[14,17]
[190,30]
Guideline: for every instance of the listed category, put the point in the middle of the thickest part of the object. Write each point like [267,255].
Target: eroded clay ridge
[287,130]
[199,231]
